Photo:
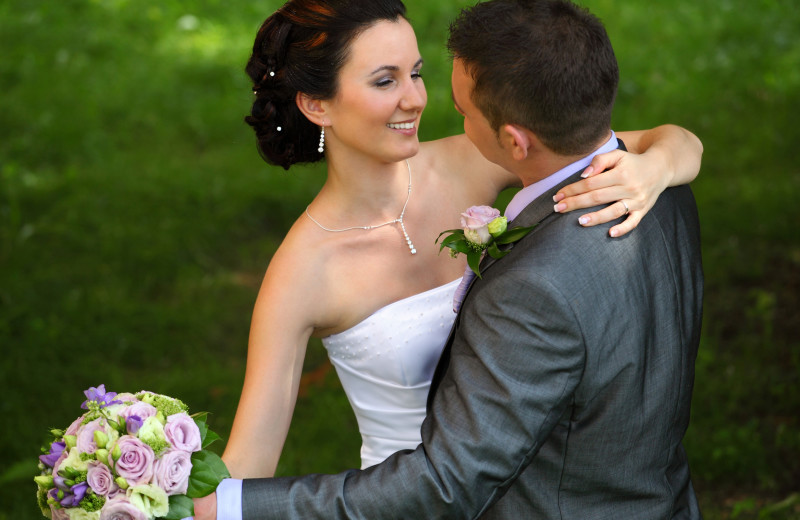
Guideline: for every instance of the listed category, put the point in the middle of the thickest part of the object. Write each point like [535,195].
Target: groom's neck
[543,162]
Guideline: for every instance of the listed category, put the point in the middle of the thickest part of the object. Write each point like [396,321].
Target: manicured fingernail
[584,220]
[558,197]
[559,207]
[588,171]
[613,233]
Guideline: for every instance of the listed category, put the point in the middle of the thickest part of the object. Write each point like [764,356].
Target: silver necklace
[398,220]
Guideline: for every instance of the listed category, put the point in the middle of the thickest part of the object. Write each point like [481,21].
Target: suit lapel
[533,215]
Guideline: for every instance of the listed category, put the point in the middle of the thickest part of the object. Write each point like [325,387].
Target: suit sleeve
[516,357]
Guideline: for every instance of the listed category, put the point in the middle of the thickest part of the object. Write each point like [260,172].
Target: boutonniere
[483,231]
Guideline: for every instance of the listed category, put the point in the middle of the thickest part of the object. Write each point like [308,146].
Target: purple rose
[85,438]
[127,397]
[135,463]
[59,513]
[57,465]
[475,222]
[120,509]
[56,449]
[172,471]
[139,409]
[73,428]
[100,479]
[182,432]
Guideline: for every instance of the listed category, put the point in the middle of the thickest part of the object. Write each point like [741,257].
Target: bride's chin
[409,152]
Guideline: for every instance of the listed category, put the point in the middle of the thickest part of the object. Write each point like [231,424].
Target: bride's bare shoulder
[298,273]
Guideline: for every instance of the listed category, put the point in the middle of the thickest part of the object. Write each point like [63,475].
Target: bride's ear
[313,109]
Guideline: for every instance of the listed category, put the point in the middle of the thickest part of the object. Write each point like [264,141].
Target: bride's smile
[378,105]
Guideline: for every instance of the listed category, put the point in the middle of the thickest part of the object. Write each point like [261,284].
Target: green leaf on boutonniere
[452,240]
[458,242]
[495,252]
[474,260]
[513,235]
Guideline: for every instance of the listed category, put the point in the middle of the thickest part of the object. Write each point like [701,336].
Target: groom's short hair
[546,65]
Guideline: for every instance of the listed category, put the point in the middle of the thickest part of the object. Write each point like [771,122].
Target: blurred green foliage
[136,220]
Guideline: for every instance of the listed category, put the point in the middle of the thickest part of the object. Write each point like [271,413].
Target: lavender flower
[56,449]
[133,423]
[100,396]
[69,497]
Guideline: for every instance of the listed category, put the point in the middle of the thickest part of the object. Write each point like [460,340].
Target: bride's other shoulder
[459,162]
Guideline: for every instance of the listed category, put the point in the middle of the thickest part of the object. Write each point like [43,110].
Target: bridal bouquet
[129,457]
[483,230]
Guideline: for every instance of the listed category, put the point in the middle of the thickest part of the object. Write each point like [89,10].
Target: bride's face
[380,96]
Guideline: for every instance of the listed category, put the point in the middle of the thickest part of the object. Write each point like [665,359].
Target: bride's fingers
[616,177]
[605,161]
[609,213]
[595,197]
[628,225]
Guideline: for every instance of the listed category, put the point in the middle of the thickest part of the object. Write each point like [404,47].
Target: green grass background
[136,220]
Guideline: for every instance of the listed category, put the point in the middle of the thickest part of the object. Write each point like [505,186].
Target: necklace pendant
[408,239]
[398,220]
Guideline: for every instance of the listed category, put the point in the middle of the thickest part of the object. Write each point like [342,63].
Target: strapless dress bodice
[386,364]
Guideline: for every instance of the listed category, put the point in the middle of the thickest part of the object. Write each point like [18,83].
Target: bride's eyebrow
[395,68]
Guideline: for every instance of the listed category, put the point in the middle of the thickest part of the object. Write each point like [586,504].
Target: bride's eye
[384,82]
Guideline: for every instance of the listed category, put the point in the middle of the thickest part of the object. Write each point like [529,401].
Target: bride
[341,81]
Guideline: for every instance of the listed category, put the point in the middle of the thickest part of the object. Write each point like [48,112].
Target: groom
[564,389]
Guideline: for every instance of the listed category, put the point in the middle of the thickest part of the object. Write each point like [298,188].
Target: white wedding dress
[386,364]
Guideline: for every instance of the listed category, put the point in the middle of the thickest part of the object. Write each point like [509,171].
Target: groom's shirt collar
[531,192]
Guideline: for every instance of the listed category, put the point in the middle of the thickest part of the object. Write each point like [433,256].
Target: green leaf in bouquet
[180,506]
[207,437]
[210,438]
[208,471]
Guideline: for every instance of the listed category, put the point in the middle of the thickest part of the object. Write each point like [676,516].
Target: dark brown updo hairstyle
[301,48]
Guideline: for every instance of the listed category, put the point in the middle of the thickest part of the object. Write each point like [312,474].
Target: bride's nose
[414,97]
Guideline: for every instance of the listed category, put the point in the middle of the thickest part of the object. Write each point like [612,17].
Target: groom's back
[616,452]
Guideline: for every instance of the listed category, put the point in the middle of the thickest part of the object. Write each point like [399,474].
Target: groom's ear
[517,139]
[313,109]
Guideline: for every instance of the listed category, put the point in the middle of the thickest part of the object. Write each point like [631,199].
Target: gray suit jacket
[563,391]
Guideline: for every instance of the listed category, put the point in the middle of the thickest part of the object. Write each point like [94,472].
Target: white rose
[150,499]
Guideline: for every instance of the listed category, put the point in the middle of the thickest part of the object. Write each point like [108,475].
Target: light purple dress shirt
[528,194]
[229,492]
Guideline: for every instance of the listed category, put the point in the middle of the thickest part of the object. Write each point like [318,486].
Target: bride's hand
[626,179]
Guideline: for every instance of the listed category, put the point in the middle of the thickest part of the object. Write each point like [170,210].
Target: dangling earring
[321,141]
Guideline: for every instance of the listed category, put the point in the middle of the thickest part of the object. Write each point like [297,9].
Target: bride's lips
[404,127]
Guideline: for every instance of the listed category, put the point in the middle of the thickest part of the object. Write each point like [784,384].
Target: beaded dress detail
[386,364]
